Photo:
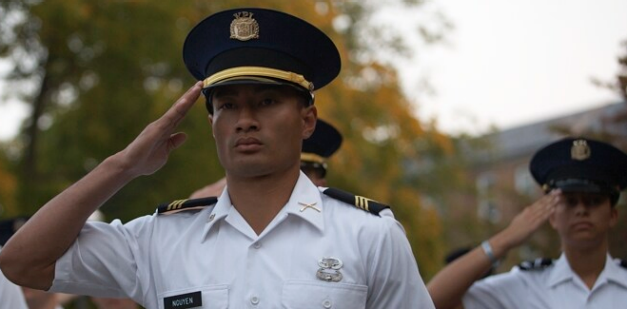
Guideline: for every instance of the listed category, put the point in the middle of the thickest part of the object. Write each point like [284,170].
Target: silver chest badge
[329,269]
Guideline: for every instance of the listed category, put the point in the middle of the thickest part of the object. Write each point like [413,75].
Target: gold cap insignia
[244,27]
[580,150]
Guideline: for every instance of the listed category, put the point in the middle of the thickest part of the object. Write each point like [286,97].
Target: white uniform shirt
[11,295]
[555,286]
[214,256]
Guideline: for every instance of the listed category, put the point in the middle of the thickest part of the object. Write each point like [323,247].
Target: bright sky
[515,62]
[506,63]
[11,113]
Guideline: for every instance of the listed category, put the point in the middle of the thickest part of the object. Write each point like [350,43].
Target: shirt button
[326,304]
[254,300]
[257,245]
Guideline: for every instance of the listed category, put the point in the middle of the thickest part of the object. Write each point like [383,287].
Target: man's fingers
[176,140]
[544,207]
[177,112]
[187,100]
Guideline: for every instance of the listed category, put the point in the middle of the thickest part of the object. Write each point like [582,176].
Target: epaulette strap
[537,264]
[187,204]
[623,263]
[360,202]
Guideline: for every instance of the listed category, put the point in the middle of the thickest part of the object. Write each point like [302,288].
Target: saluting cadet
[323,142]
[583,179]
[272,239]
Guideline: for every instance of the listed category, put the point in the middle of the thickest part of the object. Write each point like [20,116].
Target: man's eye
[571,201]
[266,102]
[597,200]
[225,106]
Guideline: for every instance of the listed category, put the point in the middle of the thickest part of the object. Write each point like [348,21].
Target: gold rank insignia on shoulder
[185,205]
[360,202]
[244,27]
[580,150]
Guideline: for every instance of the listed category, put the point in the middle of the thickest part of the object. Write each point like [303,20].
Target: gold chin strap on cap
[258,71]
[311,157]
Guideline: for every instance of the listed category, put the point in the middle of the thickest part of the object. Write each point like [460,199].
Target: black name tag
[190,300]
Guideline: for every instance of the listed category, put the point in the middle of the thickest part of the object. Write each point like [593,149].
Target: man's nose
[581,207]
[247,120]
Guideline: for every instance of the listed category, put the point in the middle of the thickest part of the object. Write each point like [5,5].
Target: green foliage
[8,185]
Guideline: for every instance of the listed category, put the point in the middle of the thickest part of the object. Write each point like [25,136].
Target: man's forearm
[450,284]
[29,257]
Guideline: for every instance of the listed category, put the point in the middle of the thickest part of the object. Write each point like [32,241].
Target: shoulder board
[622,263]
[537,264]
[183,205]
[360,202]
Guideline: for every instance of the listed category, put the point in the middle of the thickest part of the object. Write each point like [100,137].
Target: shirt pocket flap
[324,295]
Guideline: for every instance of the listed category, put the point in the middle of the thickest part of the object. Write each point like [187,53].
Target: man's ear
[210,118]
[552,220]
[613,216]
[310,116]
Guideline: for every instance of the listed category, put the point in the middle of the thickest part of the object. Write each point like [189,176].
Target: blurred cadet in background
[212,189]
[582,179]
[317,149]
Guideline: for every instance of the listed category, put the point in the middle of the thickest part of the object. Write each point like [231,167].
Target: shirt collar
[218,212]
[561,272]
[613,272]
[304,203]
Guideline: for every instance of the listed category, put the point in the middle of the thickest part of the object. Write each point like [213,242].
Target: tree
[615,126]
[614,131]
[8,206]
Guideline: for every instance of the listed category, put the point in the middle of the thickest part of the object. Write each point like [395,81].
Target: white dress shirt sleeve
[394,280]
[499,291]
[101,262]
